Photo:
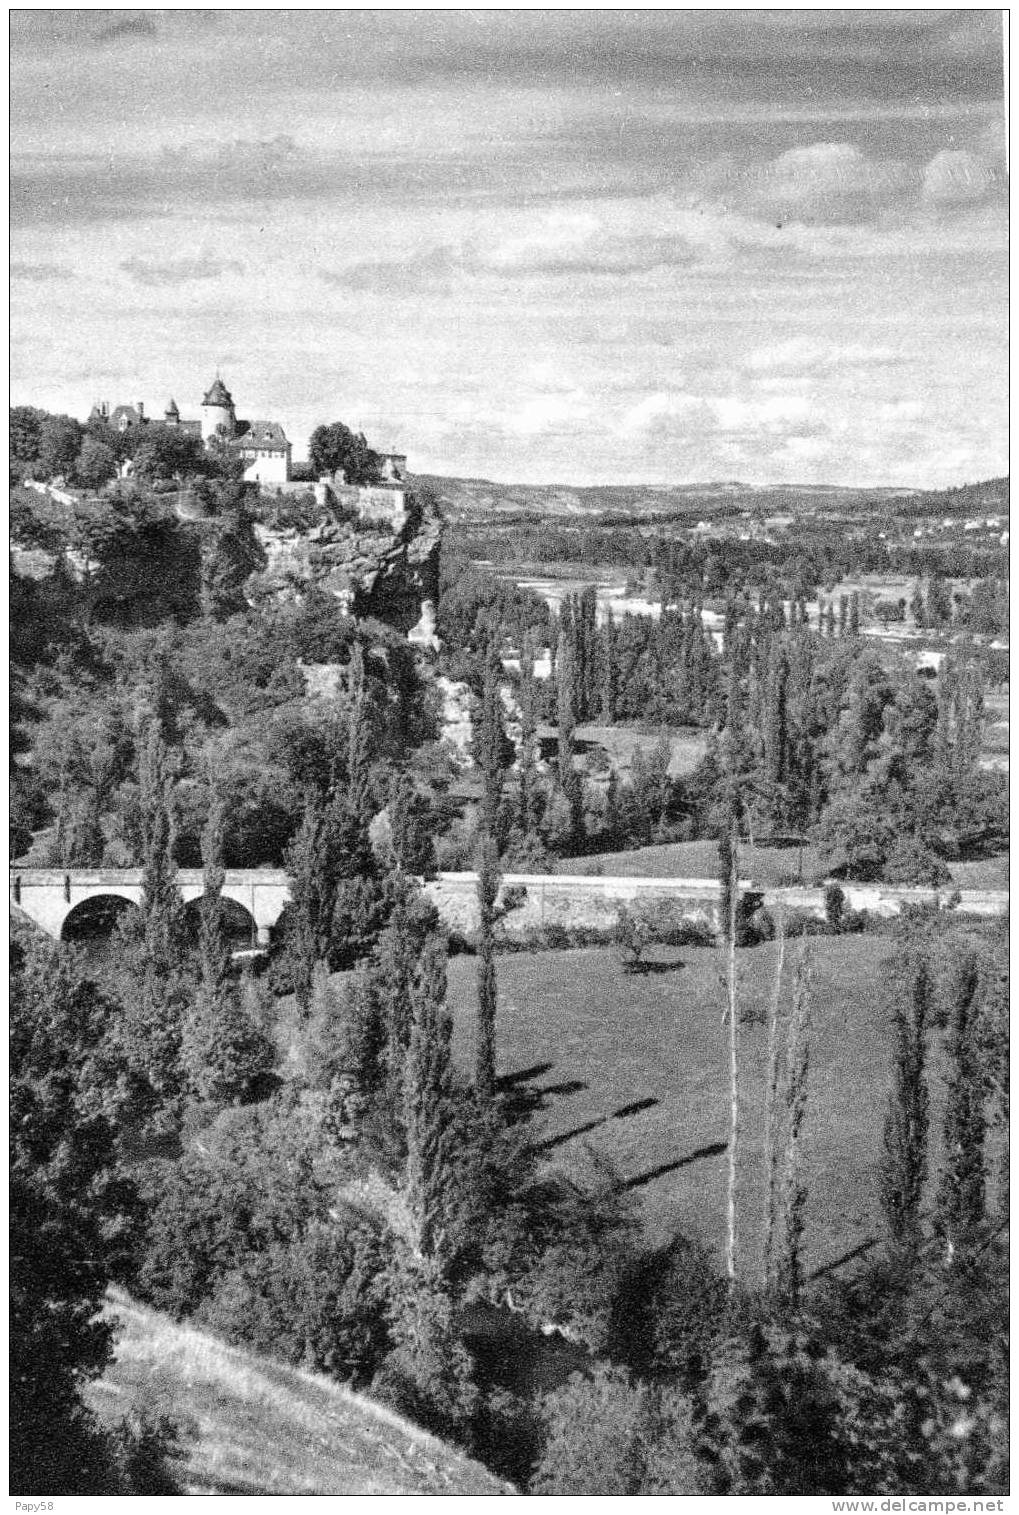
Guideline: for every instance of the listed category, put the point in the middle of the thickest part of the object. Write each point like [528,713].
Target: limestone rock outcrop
[374,567]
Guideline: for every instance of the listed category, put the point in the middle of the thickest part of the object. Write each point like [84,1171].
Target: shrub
[834,906]
[316,1299]
[608,1436]
[910,862]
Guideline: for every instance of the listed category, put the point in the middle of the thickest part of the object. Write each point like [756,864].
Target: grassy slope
[597,1040]
[252,1426]
[765,866]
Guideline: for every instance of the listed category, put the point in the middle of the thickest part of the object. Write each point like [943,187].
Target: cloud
[132,26]
[805,355]
[40,273]
[434,270]
[180,270]
[828,183]
[957,177]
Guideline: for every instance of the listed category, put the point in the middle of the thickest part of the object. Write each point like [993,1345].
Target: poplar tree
[214,954]
[527,801]
[610,672]
[312,897]
[428,1097]
[155,1018]
[729,860]
[569,778]
[904,1159]
[792,1189]
[225,1052]
[160,902]
[961,1191]
[488,891]
[397,959]
[490,739]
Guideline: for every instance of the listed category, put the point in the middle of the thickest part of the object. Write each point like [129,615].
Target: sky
[613,246]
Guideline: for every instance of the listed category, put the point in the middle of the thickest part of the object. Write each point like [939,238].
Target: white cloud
[957,177]
[802,355]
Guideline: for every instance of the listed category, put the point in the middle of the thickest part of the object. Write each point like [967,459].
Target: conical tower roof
[218,394]
[171,409]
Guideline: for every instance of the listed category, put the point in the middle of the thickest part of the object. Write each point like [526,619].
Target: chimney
[141,410]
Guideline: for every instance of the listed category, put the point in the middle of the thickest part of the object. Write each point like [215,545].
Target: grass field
[620,742]
[765,866]
[589,1040]
[250,1426]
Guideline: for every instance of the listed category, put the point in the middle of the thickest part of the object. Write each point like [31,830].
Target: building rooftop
[218,394]
[260,434]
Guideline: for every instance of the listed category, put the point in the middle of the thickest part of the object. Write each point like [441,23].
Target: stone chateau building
[262,445]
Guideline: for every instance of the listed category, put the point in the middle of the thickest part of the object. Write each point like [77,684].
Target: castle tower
[171,415]
[218,411]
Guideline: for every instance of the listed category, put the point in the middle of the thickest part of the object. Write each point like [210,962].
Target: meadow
[636,1066]
[249,1426]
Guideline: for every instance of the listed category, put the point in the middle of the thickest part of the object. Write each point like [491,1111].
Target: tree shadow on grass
[522,1075]
[551,1142]
[714,1149]
[850,1256]
[642,969]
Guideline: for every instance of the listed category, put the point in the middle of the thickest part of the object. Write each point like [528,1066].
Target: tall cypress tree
[527,802]
[788,1275]
[610,672]
[214,954]
[490,740]
[156,1016]
[488,891]
[428,1093]
[961,1191]
[160,901]
[312,898]
[569,778]
[904,1159]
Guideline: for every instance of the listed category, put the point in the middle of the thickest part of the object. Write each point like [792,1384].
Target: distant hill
[473,498]
[251,1426]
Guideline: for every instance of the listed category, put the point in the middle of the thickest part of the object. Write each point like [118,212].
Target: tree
[96,464]
[729,862]
[610,672]
[961,1191]
[488,891]
[527,818]
[214,954]
[787,1261]
[168,452]
[904,1160]
[606,1435]
[311,864]
[71,1215]
[490,740]
[25,429]
[336,447]
[154,1019]
[59,445]
[428,1096]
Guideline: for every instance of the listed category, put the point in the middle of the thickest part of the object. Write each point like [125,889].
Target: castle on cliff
[262,446]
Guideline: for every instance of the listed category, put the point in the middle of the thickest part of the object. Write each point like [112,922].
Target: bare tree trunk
[771,1108]
[730,1249]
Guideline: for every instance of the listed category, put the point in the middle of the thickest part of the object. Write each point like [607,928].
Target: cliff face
[374,567]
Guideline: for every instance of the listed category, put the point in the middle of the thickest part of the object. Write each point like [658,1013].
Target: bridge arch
[240,930]
[94,918]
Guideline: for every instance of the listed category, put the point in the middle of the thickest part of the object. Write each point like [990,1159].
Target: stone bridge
[59,899]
